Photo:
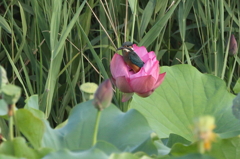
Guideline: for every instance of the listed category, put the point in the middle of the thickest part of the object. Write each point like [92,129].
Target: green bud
[11,93]
[3,77]
[103,95]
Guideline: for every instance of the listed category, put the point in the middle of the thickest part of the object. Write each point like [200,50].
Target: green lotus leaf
[184,95]
[126,131]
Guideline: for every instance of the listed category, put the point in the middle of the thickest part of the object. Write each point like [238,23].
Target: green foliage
[117,133]
[185,94]
[19,148]
[115,127]
[32,129]
[11,93]
[236,88]
[56,46]
[236,107]
[220,149]
[4,25]
[50,48]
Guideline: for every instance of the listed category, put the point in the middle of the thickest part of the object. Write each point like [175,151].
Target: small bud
[103,95]
[203,130]
[11,93]
[233,48]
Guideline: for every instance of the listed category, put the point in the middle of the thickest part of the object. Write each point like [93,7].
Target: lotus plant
[144,82]
[103,95]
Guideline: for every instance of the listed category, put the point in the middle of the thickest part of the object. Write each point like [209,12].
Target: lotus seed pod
[88,89]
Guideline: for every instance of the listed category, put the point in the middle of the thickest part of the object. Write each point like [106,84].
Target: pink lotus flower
[144,82]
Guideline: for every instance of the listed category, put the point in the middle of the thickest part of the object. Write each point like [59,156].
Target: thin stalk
[11,127]
[169,44]
[209,35]
[108,14]
[222,27]
[125,22]
[101,25]
[215,41]
[226,52]
[231,75]
[235,56]
[96,127]
[182,31]
[10,114]
[12,36]
[134,17]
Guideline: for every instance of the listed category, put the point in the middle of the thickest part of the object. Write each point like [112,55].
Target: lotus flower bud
[103,95]
[233,46]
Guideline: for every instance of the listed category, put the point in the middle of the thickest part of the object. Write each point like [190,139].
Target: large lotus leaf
[221,149]
[127,131]
[185,94]
[100,150]
[92,153]
[67,154]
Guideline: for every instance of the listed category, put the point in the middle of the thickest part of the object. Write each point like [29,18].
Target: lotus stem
[10,114]
[95,133]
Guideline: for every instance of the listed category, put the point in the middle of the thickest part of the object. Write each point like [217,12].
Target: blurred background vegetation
[51,47]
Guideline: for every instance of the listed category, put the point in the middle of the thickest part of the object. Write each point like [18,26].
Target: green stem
[11,127]
[126,105]
[96,128]
[215,32]
[231,75]
[134,17]
[10,114]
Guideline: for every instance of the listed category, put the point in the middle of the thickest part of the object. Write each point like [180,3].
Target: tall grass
[50,48]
